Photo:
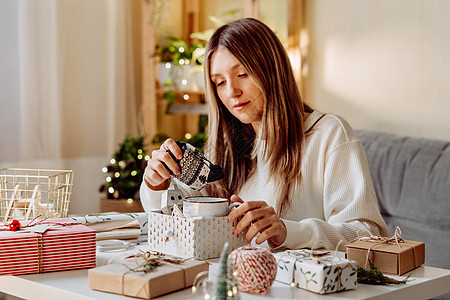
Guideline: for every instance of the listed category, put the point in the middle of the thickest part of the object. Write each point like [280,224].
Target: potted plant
[180,67]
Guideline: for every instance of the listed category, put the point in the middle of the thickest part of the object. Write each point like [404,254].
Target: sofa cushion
[411,177]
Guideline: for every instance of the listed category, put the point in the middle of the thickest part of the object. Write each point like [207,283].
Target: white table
[427,282]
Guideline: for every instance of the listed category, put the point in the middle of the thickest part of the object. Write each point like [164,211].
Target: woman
[302,176]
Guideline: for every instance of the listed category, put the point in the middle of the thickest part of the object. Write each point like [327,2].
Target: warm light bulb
[186,61]
[292,284]
[133,173]
[129,200]
[188,136]
[147,157]
[230,293]
[139,151]
[140,156]
[117,174]
[122,164]
[181,61]
[235,290]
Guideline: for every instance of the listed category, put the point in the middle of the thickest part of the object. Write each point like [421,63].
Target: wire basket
[34,193]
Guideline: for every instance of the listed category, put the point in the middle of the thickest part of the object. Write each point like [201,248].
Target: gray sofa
[412,181]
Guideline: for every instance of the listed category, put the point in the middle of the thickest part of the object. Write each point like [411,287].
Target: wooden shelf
[160,93]
[187,108]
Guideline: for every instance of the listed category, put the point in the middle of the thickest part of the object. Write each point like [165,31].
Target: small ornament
[169,235]
[14,225]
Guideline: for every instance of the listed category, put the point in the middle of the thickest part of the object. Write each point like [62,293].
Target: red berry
[14,225]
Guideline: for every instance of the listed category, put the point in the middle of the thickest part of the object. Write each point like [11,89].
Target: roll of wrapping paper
[116,226]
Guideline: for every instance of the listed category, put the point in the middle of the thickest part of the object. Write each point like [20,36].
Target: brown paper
[388,258]
[118,279]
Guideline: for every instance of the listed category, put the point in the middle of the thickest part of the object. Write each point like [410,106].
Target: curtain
[70,87]
[79,75]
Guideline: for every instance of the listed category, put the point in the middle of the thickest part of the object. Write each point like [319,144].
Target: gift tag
[40,228]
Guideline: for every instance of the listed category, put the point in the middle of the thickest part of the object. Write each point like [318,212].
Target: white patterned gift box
[192,237]
[323,275]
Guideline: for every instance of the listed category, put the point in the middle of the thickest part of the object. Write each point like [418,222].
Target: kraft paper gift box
[389,258]
[50,245]
[322,275]
[166,278]
[192,237]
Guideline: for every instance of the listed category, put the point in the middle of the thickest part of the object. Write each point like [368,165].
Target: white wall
[9,80]
[88,177]
[383,65]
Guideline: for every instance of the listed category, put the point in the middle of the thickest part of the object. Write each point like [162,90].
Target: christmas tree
[126,170]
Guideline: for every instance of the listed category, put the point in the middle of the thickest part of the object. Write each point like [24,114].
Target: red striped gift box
[65,245]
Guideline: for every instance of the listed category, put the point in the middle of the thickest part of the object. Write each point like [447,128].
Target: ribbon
[396,239]
[318,257]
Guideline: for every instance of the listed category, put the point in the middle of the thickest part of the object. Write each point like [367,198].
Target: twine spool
[256,268]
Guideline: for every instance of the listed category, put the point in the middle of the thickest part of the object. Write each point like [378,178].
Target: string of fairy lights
[125,170]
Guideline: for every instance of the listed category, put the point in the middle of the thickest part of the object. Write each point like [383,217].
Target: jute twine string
[318,257]
[256,268]
[377,240]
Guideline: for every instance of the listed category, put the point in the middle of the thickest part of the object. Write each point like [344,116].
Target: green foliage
[169,96]
[374,276]
[221,289]
[177,49]
[226,288]
[126,170]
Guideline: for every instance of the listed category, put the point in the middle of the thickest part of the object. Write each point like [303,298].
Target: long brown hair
[234,145]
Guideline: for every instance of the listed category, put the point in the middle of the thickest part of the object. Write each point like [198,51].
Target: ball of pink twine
[256,268]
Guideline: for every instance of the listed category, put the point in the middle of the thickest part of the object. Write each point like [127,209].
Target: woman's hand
[156,174]
[258,217]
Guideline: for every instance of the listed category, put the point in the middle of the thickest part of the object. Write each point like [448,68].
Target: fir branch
[221,289]
[374,276]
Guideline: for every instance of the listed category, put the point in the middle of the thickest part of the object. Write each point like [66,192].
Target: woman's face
[237,91]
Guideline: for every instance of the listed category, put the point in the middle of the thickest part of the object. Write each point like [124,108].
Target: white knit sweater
[336,197]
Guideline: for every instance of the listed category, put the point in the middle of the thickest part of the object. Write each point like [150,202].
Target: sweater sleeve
[349,203]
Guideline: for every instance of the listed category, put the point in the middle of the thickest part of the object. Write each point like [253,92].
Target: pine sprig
[374,276]
[221,289]
[226,288]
